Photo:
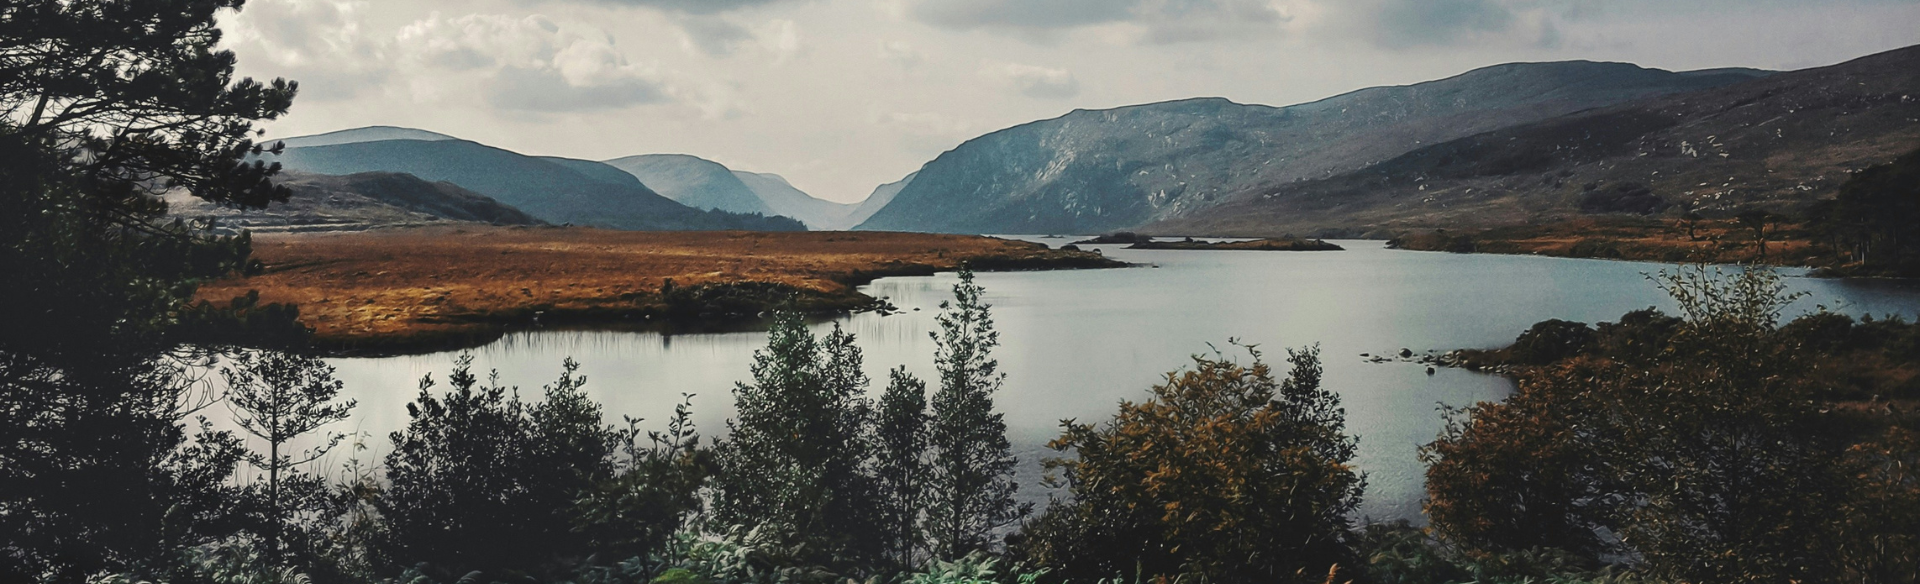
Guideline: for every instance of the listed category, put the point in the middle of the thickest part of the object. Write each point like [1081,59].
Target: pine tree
[971,482]
[900,467]
[278,397]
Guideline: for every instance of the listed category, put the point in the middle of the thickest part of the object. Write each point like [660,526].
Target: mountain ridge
[1098,170]
[1772,144]
[556,190]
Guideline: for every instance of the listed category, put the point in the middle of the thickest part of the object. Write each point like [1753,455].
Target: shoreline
[426,290]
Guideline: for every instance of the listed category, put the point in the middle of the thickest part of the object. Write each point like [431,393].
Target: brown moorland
[398,290]
[1640,239]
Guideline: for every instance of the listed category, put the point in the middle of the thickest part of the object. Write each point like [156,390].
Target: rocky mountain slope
[1772,144]
[553,190]
[1094,171]
[879,199]
[357,202]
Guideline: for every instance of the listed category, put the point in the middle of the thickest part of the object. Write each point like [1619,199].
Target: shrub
[1225,474]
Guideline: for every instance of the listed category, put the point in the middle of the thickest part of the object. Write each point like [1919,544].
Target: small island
[1270,244]
[1138,241]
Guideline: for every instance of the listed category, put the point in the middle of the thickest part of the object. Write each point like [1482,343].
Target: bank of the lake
[413,290]
[1077,342]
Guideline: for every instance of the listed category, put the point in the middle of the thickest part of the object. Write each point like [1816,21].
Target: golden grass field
[388,289]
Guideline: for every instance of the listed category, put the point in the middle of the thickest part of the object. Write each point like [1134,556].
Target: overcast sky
[842,95]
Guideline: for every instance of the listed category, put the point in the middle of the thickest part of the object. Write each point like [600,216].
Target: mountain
[367,134]
[355,202]
[693,181]
[1096,171]
[786,200]
[1772,144]
[705,184]
[881,196]
[553,190]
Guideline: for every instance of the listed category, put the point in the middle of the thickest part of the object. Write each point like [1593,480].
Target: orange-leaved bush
[1225,474]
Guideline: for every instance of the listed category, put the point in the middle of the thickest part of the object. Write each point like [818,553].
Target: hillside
[1771,144]
[693,181]
[787,201]
[1096,171]
[554,190]
[881,196]
[358,135]
[356,202]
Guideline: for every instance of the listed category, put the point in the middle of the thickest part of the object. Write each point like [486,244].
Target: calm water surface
[1076,343]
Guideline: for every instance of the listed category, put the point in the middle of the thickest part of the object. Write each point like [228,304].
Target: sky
[840,96]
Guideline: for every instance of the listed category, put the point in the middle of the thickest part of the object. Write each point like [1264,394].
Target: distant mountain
[881,196]
[553,190]
[702,183]
[358,201]
[1774,144]
[784,199]
[693,181]
[1096,171]
[367,134]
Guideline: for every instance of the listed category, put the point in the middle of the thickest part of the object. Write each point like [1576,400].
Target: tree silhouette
[278,397]
[104,103]
[971,484]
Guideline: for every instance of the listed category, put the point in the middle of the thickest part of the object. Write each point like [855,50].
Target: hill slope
[879,199]
[554,190]
[784,199]
[1774,144]
[358,201]
[692,181]
[1093,171]
[367,134]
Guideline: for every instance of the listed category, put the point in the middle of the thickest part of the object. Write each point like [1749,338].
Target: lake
[1076,343]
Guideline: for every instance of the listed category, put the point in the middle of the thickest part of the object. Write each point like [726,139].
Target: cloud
[696,6]
[712,35]
[925,133]
[318,42]
[1035,81]
[902,53]
[1411,23]
[1393,24]
[1153,21]
[781,40]
[1019,14]
[530,64]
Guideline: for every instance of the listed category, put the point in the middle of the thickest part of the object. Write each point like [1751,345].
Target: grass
[406,290]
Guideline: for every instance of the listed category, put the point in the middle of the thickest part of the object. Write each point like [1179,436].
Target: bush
[1698,449]
[481,481]
[1225,474]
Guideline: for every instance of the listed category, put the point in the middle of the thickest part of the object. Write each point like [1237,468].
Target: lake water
[1076,343]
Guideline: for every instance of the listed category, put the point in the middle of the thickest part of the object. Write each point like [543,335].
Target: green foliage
[655,493]
[971,481]
[215,564]
[901,469]
[1225,474]
[794,464]
[481,481]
